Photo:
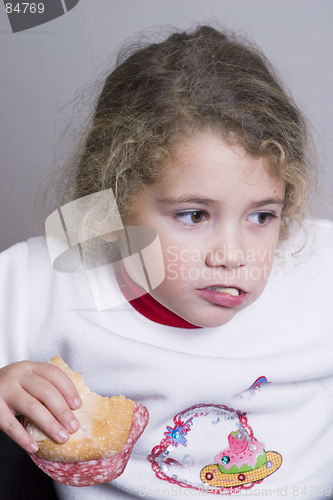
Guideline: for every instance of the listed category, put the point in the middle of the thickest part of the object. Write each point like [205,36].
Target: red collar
[146,305]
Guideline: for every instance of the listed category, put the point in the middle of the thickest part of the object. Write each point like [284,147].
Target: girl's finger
[35,410]
[12,427]
[60,380]
[52,399]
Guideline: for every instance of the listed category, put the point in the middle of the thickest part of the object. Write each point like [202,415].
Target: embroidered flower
[176,435]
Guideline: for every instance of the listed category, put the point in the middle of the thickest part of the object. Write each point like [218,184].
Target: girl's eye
[262,218]
[191,216]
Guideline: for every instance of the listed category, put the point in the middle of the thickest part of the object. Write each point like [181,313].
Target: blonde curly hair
[196,80]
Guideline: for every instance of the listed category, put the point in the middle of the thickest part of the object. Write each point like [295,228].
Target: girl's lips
[222,299]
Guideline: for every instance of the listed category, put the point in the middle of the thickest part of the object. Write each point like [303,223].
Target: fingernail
[33,447]
[77,402]
[74,425]
[63,435]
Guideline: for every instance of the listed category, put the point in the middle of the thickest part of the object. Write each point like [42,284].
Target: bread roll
[105,425]
[99,451]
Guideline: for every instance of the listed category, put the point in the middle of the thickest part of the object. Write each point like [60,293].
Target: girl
[231,350]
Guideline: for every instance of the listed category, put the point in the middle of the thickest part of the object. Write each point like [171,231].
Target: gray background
[43,68]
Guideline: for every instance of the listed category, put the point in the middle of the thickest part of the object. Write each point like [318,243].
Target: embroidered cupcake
[243,461]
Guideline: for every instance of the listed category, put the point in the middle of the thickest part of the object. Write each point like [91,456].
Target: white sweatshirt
[202,375]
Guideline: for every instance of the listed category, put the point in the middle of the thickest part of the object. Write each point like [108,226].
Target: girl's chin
[216,316]
[212,323]
[199,311]
[207,314]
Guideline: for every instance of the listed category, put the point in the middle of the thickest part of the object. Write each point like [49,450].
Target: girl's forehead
[203,155]
[192,184]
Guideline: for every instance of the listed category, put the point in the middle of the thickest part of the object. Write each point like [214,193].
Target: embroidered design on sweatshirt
[251,391]
[190,456]
[258,383]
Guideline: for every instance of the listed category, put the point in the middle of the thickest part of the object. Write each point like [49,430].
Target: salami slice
[96,471]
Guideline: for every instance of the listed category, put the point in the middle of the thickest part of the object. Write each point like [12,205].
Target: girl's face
[217,213]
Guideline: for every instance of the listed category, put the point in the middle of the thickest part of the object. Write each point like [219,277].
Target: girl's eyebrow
[276,200]
[187,199]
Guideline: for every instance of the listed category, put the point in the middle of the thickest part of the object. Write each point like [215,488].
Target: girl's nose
[229,253]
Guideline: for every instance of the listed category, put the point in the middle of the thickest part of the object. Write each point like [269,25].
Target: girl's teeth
[222,289]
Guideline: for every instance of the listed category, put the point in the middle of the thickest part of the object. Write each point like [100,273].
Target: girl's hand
[41,392]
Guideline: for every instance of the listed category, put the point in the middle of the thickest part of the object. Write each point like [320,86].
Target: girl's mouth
[224,296]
